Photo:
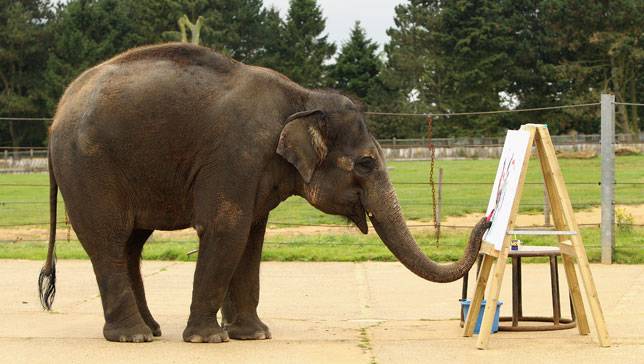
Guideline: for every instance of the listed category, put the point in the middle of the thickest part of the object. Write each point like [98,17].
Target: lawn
[23,197]
[336,247]
[23,200]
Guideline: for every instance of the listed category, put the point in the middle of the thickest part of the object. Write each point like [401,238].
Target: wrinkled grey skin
[174,136]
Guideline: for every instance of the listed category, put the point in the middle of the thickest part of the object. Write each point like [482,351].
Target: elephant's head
[342,171]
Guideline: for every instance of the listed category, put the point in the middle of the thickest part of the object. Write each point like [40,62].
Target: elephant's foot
[138,333]
[243,329]
[155,327]
[204,334]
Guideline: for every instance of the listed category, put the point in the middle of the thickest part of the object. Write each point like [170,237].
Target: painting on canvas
[505,185]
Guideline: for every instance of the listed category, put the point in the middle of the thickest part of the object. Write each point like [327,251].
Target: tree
[23,56]
[357,66]
[304,49]
[474,47]
[357,71]
[409,57]
[601,48]
[195,29]
[91,31]
[473,55]
[237,27]
[271,54]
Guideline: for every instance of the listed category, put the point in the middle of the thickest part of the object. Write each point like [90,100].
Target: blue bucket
[495,323]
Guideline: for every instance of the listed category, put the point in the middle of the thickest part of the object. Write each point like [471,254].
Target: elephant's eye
[365,164]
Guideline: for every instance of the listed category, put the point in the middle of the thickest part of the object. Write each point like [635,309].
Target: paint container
[465,303]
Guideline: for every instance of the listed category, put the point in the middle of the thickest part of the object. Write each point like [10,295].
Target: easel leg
[492,299]
[593,299]
[575,295]
[475,306]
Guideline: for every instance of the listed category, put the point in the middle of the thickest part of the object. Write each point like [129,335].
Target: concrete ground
[318,312]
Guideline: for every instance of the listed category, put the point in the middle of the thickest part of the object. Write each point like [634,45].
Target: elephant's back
[152,92]
[181,54]
[168,101]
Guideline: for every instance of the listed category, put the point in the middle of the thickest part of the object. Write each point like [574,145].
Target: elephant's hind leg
[134,249]
[106,245]
[240,307]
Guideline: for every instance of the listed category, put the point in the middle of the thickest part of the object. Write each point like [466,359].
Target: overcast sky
[375,15]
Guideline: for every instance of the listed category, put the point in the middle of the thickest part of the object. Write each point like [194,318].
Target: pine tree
[242,29]
[601,49]
[88,32]
[24,26]
[238,28]
[452,56]
[304,49]
[357,66]
[412,70]
[271,50]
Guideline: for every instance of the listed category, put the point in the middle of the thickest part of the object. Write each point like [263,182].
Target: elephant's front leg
[240,307]
[221,246]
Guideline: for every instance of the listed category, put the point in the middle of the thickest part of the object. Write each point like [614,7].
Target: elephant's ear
[302,142]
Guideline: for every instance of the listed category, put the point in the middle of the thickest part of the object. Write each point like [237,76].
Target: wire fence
[28,159]
[414,198]
[497,141]
[33,159]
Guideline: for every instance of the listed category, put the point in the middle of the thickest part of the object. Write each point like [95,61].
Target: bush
[624,219]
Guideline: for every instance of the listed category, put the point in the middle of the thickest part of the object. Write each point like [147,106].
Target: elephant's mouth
[359,218]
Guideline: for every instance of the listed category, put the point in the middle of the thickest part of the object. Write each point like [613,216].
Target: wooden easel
[570,243]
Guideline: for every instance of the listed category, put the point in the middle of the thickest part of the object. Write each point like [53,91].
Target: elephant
[175,135]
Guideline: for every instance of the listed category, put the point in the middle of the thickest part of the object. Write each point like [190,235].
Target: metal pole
[607,177]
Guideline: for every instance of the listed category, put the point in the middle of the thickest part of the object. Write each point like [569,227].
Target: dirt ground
[589,216]
[318,313]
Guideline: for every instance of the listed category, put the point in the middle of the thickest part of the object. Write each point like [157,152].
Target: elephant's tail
[47,277]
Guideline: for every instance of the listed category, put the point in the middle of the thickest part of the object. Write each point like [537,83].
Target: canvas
[505,185]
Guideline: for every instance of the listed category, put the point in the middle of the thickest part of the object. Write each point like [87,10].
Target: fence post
[607,177]
[439,201]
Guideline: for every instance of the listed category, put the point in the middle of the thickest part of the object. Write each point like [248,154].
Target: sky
[375,15]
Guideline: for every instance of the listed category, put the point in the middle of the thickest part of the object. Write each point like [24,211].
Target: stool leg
[516,289]
[554,282]
[465,283]
[519,289]
[572,309]
[464,296]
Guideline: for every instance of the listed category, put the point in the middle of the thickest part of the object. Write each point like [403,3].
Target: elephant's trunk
[385,214]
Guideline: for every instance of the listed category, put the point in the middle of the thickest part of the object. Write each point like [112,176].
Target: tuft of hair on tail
[47,285]
[47,277]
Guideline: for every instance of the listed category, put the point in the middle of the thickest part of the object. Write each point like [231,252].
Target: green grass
[23,201]
[462,199]
[28,205]
[343,248]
